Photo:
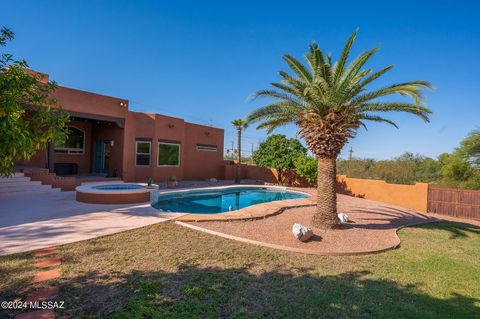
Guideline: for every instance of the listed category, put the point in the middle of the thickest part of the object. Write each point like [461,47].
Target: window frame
[179,153]
[70,150]
[149,153]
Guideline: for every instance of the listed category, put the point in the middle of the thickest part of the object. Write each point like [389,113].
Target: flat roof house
[106,138]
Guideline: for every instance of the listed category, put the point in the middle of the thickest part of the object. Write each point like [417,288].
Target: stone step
[18,183]
[28,188]
[14,179]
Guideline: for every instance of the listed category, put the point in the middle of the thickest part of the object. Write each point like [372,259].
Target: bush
[306,167]
[278,152]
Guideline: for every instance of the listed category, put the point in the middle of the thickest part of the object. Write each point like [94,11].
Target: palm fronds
[317,94]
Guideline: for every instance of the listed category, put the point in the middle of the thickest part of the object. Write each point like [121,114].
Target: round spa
[118,193]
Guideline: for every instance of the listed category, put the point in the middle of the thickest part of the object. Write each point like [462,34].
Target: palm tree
[239,124]
[328,103]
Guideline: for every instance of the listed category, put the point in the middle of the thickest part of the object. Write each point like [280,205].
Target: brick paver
[45,276]
[38,314]
[47,293]
[45,252]
[48,262]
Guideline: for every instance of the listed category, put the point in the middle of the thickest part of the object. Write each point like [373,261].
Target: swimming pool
[214,201]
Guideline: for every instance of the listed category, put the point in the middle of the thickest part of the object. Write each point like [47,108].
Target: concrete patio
[37,220]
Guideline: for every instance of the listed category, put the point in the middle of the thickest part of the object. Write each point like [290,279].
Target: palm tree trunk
[239,159]
[280,176]
[326,212]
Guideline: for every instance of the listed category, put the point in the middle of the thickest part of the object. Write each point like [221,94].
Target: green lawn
[166,271]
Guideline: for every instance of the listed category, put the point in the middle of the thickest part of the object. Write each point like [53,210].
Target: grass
[166,271]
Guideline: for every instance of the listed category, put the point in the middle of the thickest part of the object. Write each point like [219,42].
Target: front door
[99,157]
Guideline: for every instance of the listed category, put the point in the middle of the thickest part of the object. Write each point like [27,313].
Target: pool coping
[90,188]
[257,211]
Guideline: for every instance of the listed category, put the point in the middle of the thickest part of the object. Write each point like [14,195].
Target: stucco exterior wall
[203,164]
[90,103]
[159,128]
[410,196]
[108,118]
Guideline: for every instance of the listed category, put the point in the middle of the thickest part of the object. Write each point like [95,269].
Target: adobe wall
[159,128]
[90,103]
[202,164]
[410,196]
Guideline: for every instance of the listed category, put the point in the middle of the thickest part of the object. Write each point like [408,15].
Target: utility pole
[350,153]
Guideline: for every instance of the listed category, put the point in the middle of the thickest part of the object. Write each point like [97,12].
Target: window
[73,144]
[142,153]
[168,154]
[206,148]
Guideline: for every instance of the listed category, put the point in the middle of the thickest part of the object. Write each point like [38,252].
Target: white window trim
[179,153]
[149,153]
[68,149]
[204,148]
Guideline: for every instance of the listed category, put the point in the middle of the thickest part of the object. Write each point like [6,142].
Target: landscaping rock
[301,232]
[343,218]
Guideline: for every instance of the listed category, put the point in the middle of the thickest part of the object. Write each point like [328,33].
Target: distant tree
[27,120]
[428,171]
[278,152]
[470,148]
[329,101]
[306,167]
[240,125]
[358,168]
[455,168]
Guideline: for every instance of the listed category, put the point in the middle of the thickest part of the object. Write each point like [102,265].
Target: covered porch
[94,148]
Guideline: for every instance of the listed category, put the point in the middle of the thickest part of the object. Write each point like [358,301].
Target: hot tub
[114,193]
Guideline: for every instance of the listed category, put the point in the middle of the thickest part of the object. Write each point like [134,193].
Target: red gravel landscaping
[372,228]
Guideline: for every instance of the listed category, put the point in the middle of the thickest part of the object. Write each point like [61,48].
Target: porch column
[50,155]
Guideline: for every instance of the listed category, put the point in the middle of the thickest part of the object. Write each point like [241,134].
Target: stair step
[36,192]
[14,179]
[19,184]
[24,188]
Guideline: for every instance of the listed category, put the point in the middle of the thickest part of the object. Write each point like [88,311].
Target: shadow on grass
[456,230]
[194,292]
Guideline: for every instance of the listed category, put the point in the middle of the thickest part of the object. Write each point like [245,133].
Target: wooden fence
[454,202]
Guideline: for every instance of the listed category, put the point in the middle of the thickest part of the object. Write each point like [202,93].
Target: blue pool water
[220,201]
[119,186]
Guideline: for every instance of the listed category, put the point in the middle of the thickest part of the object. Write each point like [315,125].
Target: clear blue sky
[201,60]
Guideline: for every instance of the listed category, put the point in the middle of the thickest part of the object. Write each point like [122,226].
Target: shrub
[306,167]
